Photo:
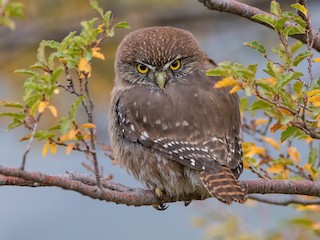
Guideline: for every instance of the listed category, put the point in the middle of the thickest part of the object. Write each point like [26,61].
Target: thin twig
[30,142]
[284,202]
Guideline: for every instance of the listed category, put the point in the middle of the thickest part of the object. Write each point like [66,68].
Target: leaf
[295,47]
[235,89]
[121,25]
[290,132]
[292,30]
[260,121]
[254,150]
[275,8]
[286,119]
[45,148]
[300,7]
[88,125]
[260,104]
[271,142]
[97,54]
[84,65]
[312,172]
[256,46]
[278,168]
[276,127]
[296,18]
[313,156]
[11,104]
[226,82]
[69,148]
[265,18]
[297,87]
[42,106]
[286,78]
[53,148]
[243,104]
[300,57]
[316,60]
[294,154]
[53,110]
[214,72]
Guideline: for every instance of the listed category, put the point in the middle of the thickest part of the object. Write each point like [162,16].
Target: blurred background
[51,213]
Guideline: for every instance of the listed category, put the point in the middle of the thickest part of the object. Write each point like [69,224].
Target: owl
[169,127]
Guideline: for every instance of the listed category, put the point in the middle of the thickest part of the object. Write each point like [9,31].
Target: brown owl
[169,127]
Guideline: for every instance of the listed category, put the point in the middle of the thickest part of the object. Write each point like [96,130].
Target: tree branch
[285,202]
[117,193]
[247,11]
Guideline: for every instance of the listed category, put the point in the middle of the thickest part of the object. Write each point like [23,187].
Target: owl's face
[157,56]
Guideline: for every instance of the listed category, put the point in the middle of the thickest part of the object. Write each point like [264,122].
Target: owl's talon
[160,207]
[186,203]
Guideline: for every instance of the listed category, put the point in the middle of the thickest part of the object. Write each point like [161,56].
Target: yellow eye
[175,65]
[142,68]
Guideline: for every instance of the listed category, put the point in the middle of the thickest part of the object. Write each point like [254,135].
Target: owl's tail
[224,186]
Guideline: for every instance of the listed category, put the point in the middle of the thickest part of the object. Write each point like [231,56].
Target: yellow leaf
[246,164]
[313,208]
[275,168]
[308,139]
[97,54]
[261,121]
[53,148]
[271,81]
[69,148]
[316,60]
[313,92]
[88,125]
[72,133]
[56,91]
[26,137]
[45,148]
[284,111]
[294,154]
[42,106]
[254,150]
[271,141]
[84,65]
[312,172]
[53,110]
[235,89]
[315,100]
[226,82]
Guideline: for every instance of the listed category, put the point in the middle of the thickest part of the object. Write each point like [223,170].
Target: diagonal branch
[117,193]
[247,11]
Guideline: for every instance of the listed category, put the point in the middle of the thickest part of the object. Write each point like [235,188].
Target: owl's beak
[160,79]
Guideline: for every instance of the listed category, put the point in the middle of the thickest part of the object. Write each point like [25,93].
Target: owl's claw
[186,203]
[160,207]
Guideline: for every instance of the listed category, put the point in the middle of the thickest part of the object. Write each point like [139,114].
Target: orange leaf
[235,89]
[294,154]
[254,150]
[271,142]
[276,127]
[88,125]
[26,137]
[42,106]
[53,148]
[284,111]
[69,148]
[261,121]
[316,60]
[271,81]
[226,82]
[53,110]
[84,65]
[45,148]
[275,168]
[97,54]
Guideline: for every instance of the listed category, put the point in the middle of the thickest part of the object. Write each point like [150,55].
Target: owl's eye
[143,69]
[175,65]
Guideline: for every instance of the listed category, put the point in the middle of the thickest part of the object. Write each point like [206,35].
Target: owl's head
[157,56]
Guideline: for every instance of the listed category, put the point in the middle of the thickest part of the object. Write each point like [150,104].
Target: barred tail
[223,185]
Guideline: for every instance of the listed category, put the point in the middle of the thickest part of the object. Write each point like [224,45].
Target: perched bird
[169,127]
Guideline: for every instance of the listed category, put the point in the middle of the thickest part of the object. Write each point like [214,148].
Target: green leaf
[19,115]
[286,78]
[313,156]
[15,123]
[11,104]
[275,8]
[272,70]
[290,132]
[300,8]
[244,104]
[265,18]
[280,23]
[295,47]
[27,72]
[256,46]
[42,135]
[286,119]
[214,72]
[281,53]
[95,6]
[273,113]
[122,25]
[296,18]
[292,30]
[260,104]
[266,88]
[297,87]
[107,18]
[302,221]
[300,57]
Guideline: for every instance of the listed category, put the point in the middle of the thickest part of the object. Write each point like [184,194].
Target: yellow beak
[160,79]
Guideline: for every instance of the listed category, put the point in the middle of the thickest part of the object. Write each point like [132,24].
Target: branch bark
[117,193]
[247,11]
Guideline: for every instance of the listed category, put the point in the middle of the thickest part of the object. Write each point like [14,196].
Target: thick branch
[247,11]
[117,193]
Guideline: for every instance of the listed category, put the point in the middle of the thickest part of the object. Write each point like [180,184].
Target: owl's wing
[197,127]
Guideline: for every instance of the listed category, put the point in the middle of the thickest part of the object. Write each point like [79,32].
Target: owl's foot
[186,203]
[160,207]
[160,193]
